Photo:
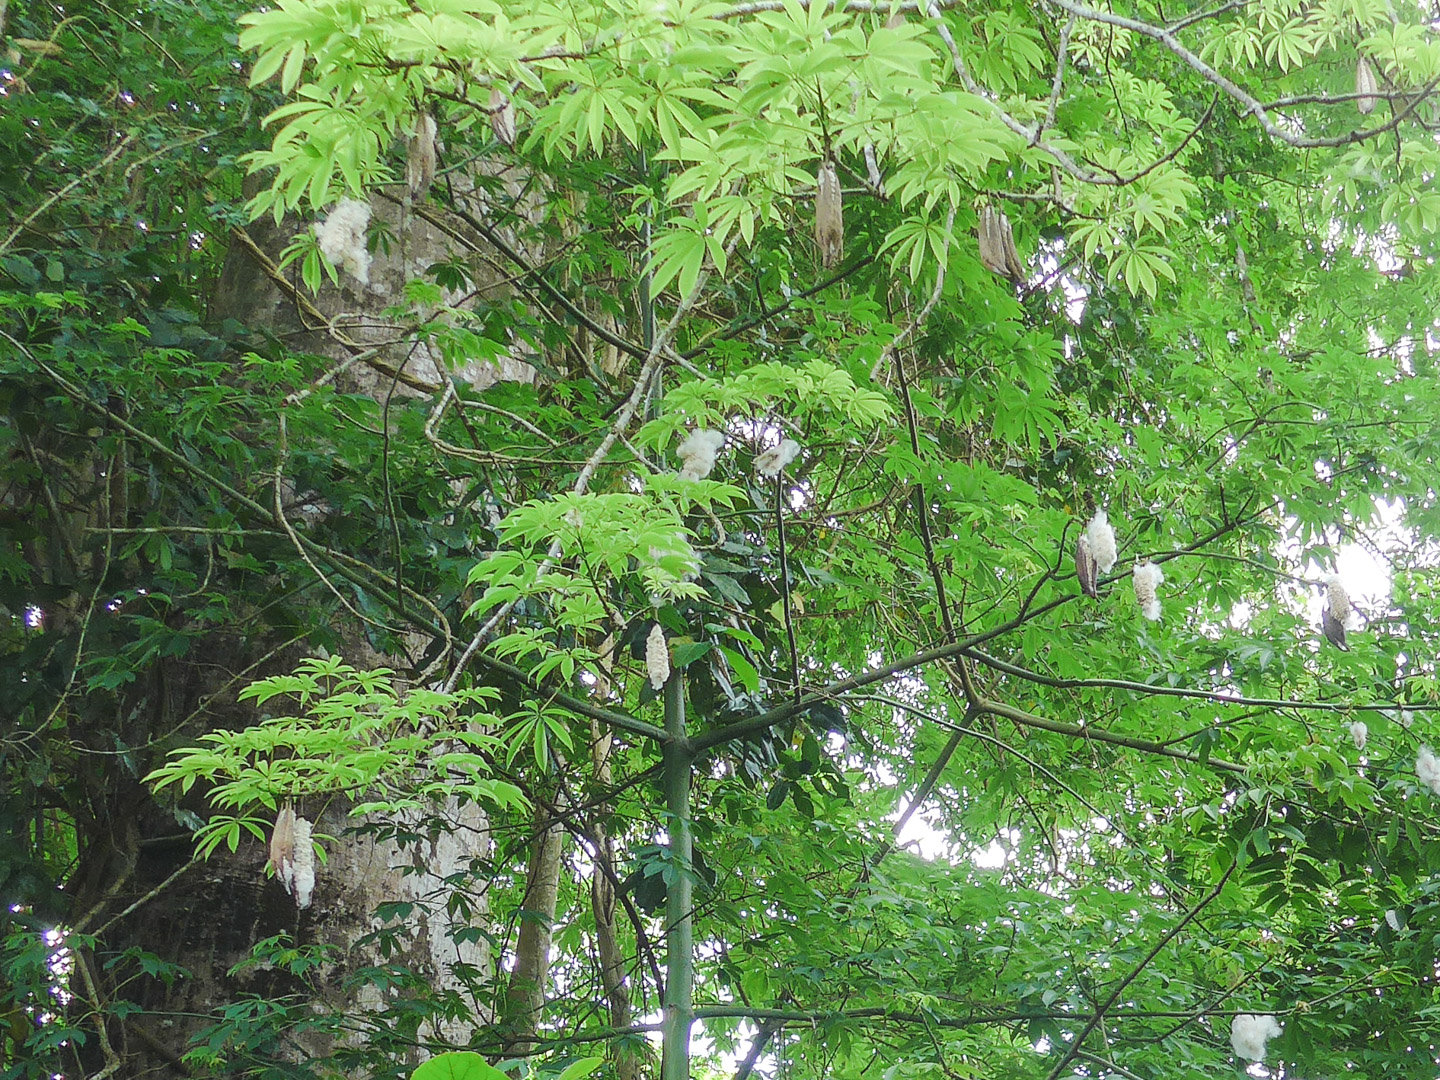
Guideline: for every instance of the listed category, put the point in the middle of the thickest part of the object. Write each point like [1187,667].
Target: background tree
[1170,264]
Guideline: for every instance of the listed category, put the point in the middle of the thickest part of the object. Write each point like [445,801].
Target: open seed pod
[420,156]
[829,215]
[282,848]
[502,117]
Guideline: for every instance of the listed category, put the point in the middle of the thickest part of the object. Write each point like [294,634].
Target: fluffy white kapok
[1249,1034]
[1337,600]
[1102,541]
[657,657]
[1147,579]
[776,458]
[697,453]
[1427,768]
[342,238]
[1359,733]
[304,864]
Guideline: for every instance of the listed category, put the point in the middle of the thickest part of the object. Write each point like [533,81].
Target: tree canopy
[937,577]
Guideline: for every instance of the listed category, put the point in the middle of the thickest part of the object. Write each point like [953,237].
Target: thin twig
[916,323]
[151,895]
[1166,938]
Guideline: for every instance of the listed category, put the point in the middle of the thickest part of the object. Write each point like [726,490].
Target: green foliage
[357,737]
[1133,830]
[468,1066]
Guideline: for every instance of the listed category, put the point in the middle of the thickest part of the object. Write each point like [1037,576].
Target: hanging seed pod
[1335,612]
[304,876]
[872,173]
[829,217]
[997,245]
[502,117]
[1242,269]
[1086,570]
[657,657]
[282,848]
[988,233]
[1016,272]
[1366,87]
[420,156]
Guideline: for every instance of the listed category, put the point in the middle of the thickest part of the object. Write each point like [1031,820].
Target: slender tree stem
[679,929]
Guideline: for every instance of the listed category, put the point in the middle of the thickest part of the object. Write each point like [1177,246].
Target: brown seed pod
[997,245]
[829,216]
[502,117]
[420,156]
[1366,87]
[1335,612]
[1087,570]
[282,848]
[988,233]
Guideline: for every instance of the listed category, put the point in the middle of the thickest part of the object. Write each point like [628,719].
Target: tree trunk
[603,905]
[525,996]
[136,882]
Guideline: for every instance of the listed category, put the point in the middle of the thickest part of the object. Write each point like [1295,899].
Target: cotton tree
[985,417]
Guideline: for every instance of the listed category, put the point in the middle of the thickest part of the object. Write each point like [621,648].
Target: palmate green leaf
[1140,267]
[458,1065]
[1248,423]
[680,254]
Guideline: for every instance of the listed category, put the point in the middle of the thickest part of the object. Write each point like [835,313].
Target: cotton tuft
[657,657]
[1147,578]
[1102,541]
[772,461]
[1249,1033]
[304,864]
[697,453]
[1359,733]
[1427,768]
[342,238]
